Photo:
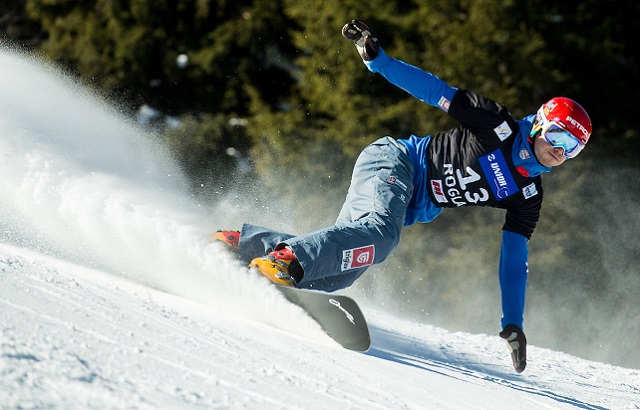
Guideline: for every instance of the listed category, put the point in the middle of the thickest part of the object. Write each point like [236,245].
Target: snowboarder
[490,159]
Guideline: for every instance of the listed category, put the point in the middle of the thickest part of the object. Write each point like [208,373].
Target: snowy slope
[112,297]
[74,337]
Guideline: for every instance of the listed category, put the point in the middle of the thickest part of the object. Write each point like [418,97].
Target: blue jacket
[487,160]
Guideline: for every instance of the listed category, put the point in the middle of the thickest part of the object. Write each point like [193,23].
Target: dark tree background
[272,83]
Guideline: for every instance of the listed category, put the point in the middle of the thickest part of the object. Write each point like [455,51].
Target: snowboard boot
[230,240]
[280,267]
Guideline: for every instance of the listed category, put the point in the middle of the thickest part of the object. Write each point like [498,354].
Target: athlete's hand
[365,40]
[517,343]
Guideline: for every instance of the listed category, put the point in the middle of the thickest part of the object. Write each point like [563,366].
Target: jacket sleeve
[523,214]
[422,85]
[514,271]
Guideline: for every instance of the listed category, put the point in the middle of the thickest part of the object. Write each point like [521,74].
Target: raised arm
[421,84]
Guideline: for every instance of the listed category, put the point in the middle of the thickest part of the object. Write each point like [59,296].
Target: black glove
[517,344]
[365,40]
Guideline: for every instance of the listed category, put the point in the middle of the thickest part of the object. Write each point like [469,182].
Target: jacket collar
[522,153]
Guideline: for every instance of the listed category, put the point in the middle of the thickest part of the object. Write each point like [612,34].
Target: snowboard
[338,315]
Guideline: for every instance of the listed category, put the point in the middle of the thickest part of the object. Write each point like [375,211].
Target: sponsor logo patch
[503,131]
[525,154]
[358,257]
[438,194]
[396,181]
[529,191]
[444,103]
[498,175]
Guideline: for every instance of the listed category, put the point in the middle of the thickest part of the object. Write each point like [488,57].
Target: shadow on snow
[443,361]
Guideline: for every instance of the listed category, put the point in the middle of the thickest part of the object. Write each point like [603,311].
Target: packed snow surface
[75,337]
[111,295]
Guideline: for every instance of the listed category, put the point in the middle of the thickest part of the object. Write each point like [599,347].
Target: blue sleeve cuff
[379,63]
[514,270]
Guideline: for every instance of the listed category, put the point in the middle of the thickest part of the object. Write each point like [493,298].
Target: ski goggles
[557,136]
[561,138]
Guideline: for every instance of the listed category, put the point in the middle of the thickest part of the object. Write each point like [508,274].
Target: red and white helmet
[564,114]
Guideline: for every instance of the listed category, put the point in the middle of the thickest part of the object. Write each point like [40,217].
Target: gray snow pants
[366,231]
